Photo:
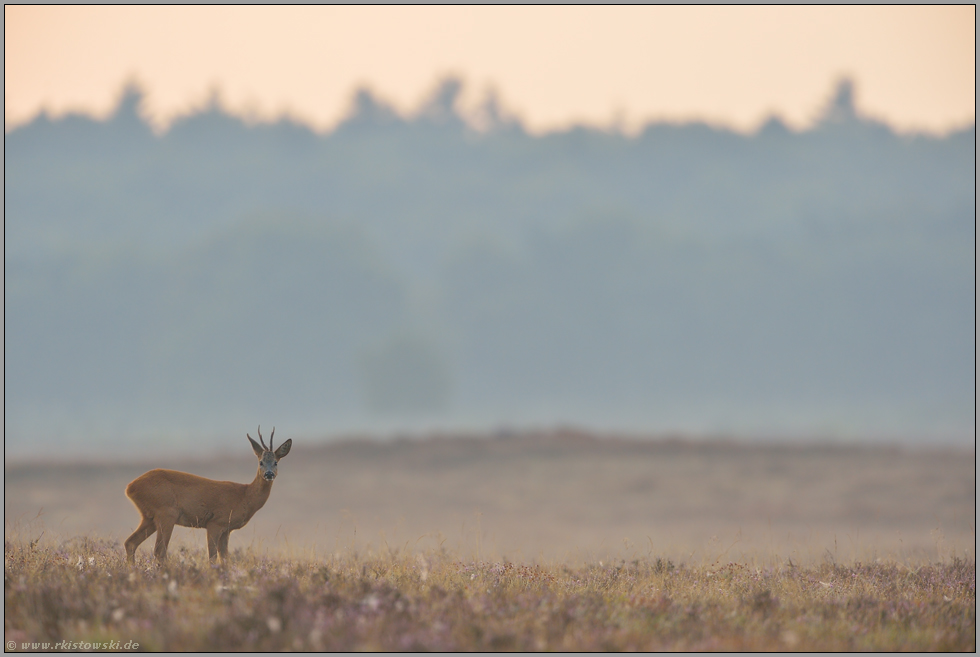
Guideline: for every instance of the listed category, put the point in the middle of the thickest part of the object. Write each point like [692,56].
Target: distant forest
[415,271]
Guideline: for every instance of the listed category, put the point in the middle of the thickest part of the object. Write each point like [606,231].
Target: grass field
[82,591]
[552,541]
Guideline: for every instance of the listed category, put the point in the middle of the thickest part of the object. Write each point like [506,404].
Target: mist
[416,274]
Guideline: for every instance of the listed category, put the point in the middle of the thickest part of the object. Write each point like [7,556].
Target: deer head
[268,459]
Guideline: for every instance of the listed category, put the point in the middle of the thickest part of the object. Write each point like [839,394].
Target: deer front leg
[214,541]
[142,533]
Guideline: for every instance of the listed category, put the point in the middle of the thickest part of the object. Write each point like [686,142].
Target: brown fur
[166,498]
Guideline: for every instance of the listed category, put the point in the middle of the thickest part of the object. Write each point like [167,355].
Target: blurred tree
[406,374]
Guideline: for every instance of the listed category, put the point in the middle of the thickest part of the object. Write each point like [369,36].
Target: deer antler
[270,439]
[259,431]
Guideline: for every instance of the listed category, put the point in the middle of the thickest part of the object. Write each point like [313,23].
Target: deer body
[166,498]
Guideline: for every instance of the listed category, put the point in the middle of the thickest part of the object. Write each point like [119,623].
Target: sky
[553,67]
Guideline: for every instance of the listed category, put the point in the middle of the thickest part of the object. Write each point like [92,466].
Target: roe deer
[166,498]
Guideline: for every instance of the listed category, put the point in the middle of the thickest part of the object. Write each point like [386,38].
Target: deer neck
[257,492]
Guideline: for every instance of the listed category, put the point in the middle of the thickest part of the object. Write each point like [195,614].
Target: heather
[397,599]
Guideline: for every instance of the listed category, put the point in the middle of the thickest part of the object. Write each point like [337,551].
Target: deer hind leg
[165,527]
[223,545]
[143,532]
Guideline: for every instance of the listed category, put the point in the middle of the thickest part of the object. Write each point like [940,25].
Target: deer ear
[255,447]
[283,449]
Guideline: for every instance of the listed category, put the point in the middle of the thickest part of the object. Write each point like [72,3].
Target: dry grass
[81,590]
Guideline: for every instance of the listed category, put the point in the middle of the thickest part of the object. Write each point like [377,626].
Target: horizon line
[133,92]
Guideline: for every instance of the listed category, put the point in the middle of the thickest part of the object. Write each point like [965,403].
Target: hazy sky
[915,67]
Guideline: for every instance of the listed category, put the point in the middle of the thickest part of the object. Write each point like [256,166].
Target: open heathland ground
[538,541]
[559,496]
[82,592]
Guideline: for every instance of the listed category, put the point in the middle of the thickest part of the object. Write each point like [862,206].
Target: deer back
[186,497]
